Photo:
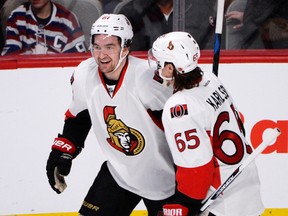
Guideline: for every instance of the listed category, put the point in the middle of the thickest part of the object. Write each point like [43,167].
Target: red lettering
[280,145]
[63,145]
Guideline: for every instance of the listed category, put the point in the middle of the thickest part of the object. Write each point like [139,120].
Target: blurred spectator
[2,3]
[234,24]
[199,22]
[43,27]
[152,18]
[262,24]
[149,19]
[109,5]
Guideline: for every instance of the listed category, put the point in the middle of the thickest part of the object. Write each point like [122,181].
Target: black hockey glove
[59,163]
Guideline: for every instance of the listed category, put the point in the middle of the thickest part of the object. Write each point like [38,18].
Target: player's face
[106,50]
[167,73]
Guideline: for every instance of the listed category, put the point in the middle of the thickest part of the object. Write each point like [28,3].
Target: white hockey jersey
[203,130]
[137,152]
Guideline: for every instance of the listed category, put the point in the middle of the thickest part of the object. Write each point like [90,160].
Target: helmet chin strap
[165,79]
[120,60]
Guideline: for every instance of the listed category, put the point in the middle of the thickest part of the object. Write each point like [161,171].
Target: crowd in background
[253,24]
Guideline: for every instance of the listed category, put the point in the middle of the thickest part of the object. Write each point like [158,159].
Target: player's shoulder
[85,67]
[138,62]
[186,100]
[87,63]
[209,77]
[176,98]
[138,68]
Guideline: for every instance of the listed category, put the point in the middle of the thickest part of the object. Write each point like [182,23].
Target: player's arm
[13,44]
[75,35]
[65,148]
[70,143]
[193,156]
[191,189]
[76,128]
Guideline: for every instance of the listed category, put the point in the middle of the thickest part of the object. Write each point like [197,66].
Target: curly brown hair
[187,80]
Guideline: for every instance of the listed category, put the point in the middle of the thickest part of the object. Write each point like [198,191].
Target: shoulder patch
[179,110]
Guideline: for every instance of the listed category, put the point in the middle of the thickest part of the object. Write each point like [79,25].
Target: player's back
[230,148]
[209,112]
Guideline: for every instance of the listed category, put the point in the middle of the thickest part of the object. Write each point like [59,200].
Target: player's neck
[43,12]
[115,75]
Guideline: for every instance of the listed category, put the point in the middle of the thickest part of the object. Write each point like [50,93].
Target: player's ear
[125,51]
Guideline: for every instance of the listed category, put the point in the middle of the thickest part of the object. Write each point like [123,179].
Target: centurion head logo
[121,137]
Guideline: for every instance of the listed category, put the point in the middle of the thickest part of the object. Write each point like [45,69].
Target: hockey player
[117,94]
[204,133]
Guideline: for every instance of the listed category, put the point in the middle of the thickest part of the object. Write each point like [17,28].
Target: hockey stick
[268,140]
[218,33]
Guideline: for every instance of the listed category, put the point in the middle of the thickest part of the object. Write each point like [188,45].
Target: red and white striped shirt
[61,34]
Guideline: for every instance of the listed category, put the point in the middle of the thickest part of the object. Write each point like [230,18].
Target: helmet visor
[152,60]
[154,63]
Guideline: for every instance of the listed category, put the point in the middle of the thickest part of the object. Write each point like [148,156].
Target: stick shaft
[220,16]
[218,33]
[274,134]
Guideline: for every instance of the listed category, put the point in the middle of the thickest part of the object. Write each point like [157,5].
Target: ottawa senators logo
[170,46]
[123,138]
[179,110]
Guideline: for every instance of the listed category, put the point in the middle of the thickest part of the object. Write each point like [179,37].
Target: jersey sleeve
[13,44]
[77,119]
[190,146]
[76,128]
[71,29]
[76,39]
[78,83]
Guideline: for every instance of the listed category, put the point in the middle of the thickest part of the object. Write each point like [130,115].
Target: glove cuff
[64,145]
